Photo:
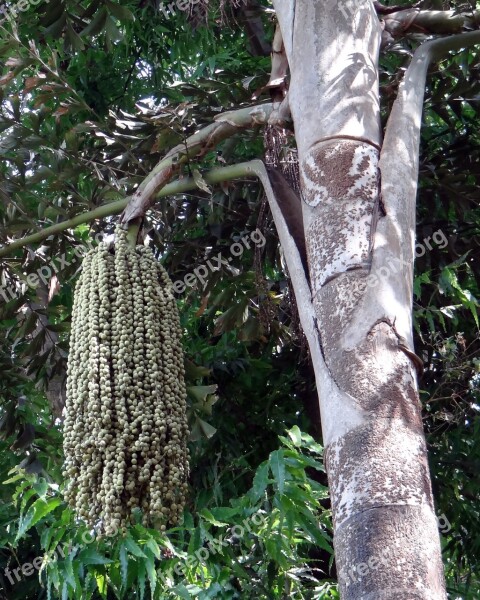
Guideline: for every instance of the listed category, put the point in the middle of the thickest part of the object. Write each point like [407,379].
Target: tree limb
[293,258]
[114,208]
[386,10]
[399,162]
[277,84]
[257,43]
[327,389]
[397,24]
[404,121]
[285,10]
[291,207]
[197,145]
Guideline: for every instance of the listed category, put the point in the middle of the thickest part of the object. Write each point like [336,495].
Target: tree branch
[285,10]
[291,207]
[277,84]
[399,23]
[114,208]
[386,10]
[293,258]
[328,391]
[135,207]
[399,161]
[197,145]
[404,121]
[257,43]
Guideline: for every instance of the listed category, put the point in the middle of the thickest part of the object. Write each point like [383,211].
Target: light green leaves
[38,510]
[277,467]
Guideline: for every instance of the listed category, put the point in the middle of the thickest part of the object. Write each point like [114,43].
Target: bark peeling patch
[339,169]
[380,555]
[338,240]
[337,302]
[380,463]
[376,373]
[340,187]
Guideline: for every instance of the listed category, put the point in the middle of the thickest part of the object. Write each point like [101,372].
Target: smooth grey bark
[359,219]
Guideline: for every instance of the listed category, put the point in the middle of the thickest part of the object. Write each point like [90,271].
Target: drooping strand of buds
[125,429]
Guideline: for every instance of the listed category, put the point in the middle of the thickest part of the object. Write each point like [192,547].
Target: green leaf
[224,513]
[123,564]
[201,429]
[260,482]
[65,591]
[101,584]
[141,579]
[182,592]
[15,478]
[70,576]
[20,489]
[300,461]
[152,545]
[152,574]
[53,574]
[200,181]
[207,515]
[200,393]
[96,25]
[295,435]
[41,487]
[39,509]
[25,498]
[113,33]
[310,444]
[196,540]
[315,533]
[277,466]
[89,556]
[133,547]
[122,13]
[75,40]
[52,538]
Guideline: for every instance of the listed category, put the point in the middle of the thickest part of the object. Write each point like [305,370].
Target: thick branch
[386,10]
[285,10]
[293,258]
[399,23]
[225,126]
[277,84]
[291,207]
[197,145]
[395,235]
[257,43]
[404,122]
[332,396]
[114,208]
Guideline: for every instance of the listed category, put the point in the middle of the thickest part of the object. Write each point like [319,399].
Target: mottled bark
[360,254]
